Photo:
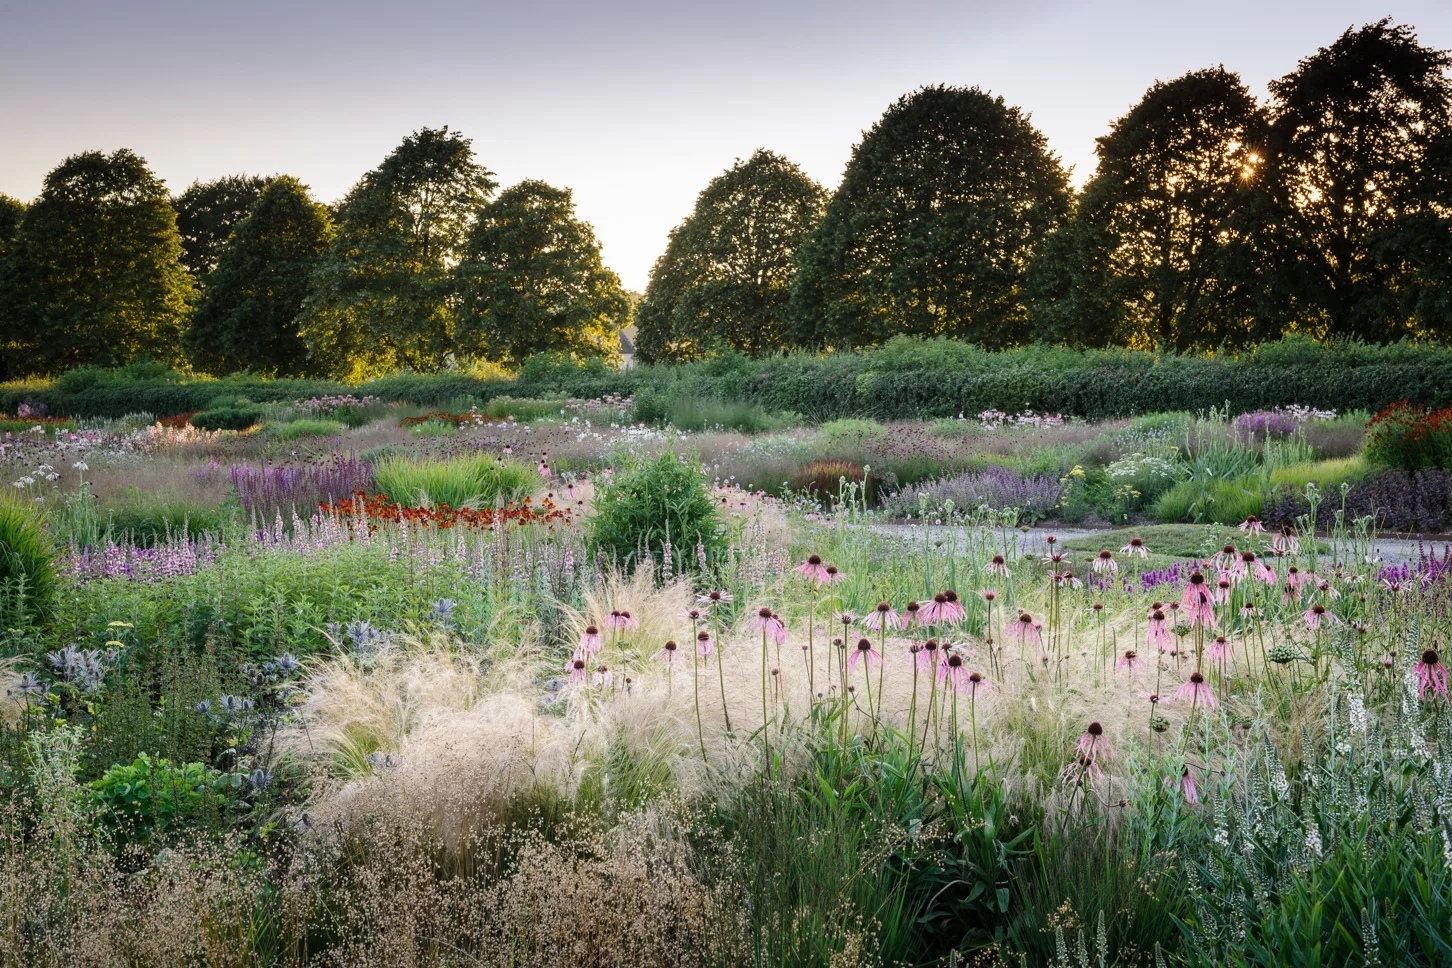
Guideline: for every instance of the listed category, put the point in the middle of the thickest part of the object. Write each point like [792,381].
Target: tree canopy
[724,280]
[207,212]
[381,297]
[96,269]
[532,281]
[247,318]
[1352,129]
[1149,258]
[941,208]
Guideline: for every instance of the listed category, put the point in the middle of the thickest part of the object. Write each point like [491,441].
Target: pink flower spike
[1197,691]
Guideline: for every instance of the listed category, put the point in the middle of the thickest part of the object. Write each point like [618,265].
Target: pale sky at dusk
[635,106]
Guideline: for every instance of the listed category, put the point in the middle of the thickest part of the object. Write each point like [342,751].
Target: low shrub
[1397,500]
[458,482]
[1410,437]
[27,570]
[656,501]
[227,418]
[434,428]
[148,798]
[307,427]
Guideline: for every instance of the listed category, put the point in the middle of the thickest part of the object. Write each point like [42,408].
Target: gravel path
[1390,551]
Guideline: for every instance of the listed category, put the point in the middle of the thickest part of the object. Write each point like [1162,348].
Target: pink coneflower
[1092,744]
[998,566]
[883,618]
[619,620]
[577,667]
[1262,572]
[932,612]
[1024,630]
[952,673]
[1294,577]
[846,617]
[590,639]
[714,599]
[833,576]
[910,613]
[1317,614]
[1247,611]
[768,623]
[704,645]
[1326,588]
[812,569]
[1226,556]
[603,676]
[1198,691]
[977,683]
[863,653]
[1221,594]
[927,659]
[990,595]
[1252,525]
[1067,578]
[1285,541]
[1130,660]
[1290,594]
[1135,547]
[1157,632]
[1198,603]
[1218,649]
[668,654]
[1056,559]
[1185,785]
[1105,562]
[953,610]
[1431,674]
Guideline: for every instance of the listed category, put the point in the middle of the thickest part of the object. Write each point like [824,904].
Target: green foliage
[700,414]
[724,279]
[247,319]
[228,418]
[381,298]
[654,501]
[476,481]
[1154,248]
[307,427]
[148,798]
[434,427]
[532,281]
[1353,125]
[28,584]
[206,214]
[931,231]
[1213,500]
[96,273]
[523,410]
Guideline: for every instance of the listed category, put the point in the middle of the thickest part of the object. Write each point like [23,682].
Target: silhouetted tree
[247,317]
[532,281]
[96,268]
[381,297]
[940,210]
[207,212]
[1352,128]
[724,280]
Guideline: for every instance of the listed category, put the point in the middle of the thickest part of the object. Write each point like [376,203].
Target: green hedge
[904,378]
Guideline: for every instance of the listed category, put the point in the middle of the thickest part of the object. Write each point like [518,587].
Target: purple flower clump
[1414,502]
[1034,496]
[1265,423]
[274,488]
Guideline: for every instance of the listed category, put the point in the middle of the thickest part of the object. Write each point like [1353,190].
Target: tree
[247,317]
[725,278]
[932,229]
[1351,130]
[206,214]
[381,297]
[11,212]
[1417,250]
[1155,226]
[97,270]
[532,281]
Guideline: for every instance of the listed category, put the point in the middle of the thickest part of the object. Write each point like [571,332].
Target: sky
[634,106]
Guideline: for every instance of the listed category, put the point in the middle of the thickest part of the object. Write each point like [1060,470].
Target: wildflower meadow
[553,685]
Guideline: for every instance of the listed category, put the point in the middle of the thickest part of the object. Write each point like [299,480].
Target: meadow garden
[670,679]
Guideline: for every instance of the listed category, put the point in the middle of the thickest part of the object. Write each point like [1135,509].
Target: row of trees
[1211,220]
[421,263]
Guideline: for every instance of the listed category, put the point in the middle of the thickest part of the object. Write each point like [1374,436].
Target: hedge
[904,378]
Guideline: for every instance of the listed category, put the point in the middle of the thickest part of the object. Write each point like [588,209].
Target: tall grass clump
[27,571]
[657,504]
[523,410]
[704,413]
[458,482]
[307,427]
